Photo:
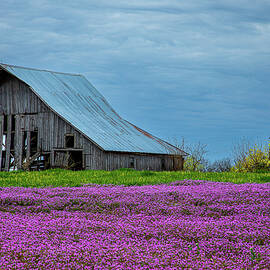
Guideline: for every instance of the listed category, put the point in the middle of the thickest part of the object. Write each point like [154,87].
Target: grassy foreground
[128,177]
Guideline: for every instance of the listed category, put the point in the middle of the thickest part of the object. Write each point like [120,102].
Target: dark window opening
[3,160]
[69,141]
[5,123]
[177,163]
[33,142]
[24,145]
[12,141]
[131,162]
[13,123]
[163,164]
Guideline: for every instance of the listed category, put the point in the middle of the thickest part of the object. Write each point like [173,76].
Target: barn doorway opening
[177,163]
[163,164]
[131,163]
[4,141]
[5,128]
[12,141]
[3,152]
[24,146]
[75,160]
[32,157]
[33,142]
[3,160]
[13,123]
[71,159]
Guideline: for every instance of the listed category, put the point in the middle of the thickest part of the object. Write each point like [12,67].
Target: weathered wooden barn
[51,119]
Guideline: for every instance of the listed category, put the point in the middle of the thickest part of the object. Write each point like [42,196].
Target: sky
[192,69]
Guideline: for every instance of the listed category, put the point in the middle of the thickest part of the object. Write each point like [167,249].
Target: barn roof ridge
[77,101]
[45,70]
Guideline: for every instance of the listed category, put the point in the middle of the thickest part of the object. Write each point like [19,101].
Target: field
[128,177]
[188,224]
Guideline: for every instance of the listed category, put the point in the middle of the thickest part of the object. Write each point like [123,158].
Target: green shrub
[255,160]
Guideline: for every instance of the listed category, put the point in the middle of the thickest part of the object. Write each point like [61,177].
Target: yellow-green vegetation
[193,164]
[254,160]
[58,177]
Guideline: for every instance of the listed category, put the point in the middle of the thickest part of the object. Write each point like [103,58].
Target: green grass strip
[128,177]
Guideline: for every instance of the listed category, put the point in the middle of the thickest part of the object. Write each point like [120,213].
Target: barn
[52,119]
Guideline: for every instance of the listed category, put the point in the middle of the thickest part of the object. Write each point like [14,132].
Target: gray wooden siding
[18,98]
[143,161]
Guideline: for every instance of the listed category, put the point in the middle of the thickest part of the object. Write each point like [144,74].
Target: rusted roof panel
[77,101]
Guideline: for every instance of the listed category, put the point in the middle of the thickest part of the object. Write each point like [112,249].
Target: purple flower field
[184,225]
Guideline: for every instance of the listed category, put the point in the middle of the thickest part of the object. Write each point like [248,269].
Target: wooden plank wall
[19,99]
[142,161]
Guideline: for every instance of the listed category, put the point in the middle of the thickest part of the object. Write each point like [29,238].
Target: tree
[222,165]
[251,158]
[240,149]
[196,160]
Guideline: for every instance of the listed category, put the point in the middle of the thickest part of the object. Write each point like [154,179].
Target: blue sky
[193,69]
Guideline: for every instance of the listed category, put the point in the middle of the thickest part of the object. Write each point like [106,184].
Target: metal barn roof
[77,101]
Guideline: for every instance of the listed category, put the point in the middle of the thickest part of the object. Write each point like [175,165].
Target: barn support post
[28,153]
[18,142]
[19,150]
[8,142]
[52,158]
